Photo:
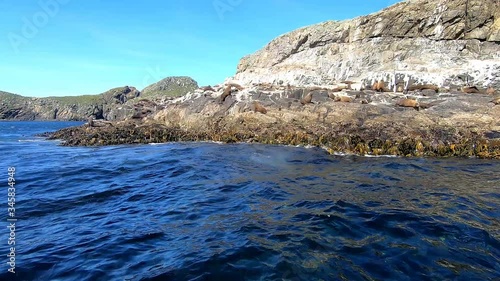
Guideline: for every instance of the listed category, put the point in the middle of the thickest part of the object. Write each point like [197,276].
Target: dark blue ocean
[205,211]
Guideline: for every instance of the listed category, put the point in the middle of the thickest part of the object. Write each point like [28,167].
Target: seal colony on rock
[289,70]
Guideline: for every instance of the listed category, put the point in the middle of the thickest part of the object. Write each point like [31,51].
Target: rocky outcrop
[448,43]
[116,104]
[413,60]
[420,123]
[170,87]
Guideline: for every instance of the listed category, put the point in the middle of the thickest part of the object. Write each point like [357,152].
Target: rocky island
[419,78]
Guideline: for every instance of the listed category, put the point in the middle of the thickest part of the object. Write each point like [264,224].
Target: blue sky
[72,47]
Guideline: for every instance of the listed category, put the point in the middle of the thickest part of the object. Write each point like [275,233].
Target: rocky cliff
[116,104]
[449,43]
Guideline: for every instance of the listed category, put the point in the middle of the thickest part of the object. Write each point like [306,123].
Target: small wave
[381,156]
[33,140]
[349,154]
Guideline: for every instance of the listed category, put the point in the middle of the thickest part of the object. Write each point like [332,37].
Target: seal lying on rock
[343,99]
[257,107]
[307,99]
[408,103]
[490,91]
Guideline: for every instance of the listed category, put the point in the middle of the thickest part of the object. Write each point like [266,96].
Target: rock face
[443,42]
[116,104]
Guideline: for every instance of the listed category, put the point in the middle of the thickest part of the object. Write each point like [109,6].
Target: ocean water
[204,211]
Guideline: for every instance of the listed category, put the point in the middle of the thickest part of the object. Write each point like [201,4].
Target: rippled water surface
[201,211]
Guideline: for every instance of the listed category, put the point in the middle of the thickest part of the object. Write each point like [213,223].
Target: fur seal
[307,99]
[470,90]
[343,99]
[490,91]
[257,107]
[407,103]
[237,86]
[496,100]
[379,86]
[227,92]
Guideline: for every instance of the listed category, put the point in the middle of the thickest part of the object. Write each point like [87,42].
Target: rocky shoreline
[347,121]
[419,78]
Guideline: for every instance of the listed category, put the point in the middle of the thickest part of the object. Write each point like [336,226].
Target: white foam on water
[33,140]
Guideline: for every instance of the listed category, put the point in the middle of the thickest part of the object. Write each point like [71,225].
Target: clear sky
[72,47]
